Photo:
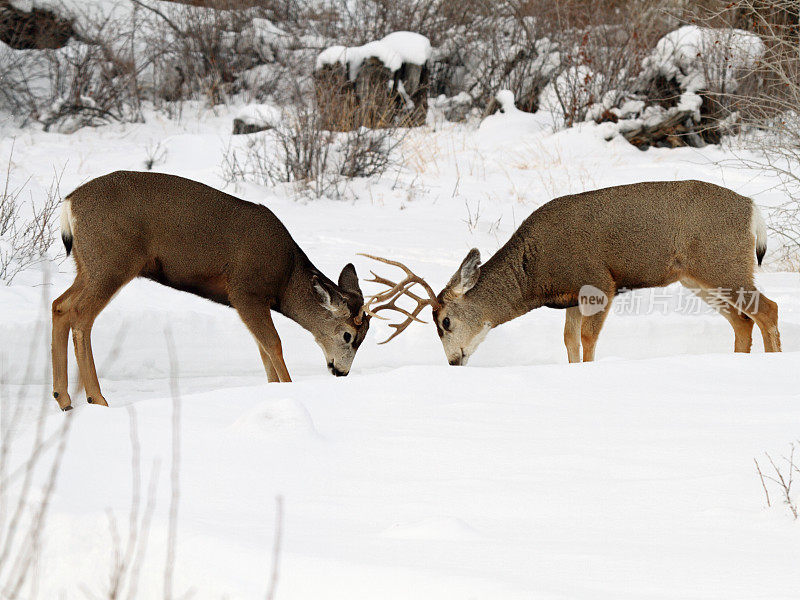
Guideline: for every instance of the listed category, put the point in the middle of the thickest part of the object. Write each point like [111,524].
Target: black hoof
[89,400]
[66,408]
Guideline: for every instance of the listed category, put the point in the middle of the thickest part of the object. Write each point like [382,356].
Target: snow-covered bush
[702,58]
[81,83]
[571,94]
[563,57]
[710,67]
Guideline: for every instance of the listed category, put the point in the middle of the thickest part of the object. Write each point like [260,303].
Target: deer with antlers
[196,239]
[606,241]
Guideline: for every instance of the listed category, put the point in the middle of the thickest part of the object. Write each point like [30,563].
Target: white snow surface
[519,476]
[393,50]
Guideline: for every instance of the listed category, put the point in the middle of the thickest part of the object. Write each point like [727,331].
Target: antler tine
[396,291]
[407,271]
[400,327]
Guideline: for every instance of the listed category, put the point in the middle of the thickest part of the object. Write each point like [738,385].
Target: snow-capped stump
[375,85]
[256,117]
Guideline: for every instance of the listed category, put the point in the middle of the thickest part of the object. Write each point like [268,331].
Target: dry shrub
[88,80]
[149,52]
[200,52]
[601,45]
[356,22]
[780,475]
[305,151]
[25,237]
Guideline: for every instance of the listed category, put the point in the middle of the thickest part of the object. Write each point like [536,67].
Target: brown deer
[194,238]
[605,241]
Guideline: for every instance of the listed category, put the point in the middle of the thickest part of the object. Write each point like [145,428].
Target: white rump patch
[67,220]
[758,227]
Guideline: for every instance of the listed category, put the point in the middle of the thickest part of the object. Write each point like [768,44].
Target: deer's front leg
[572,334]
[590,331]
[272,374]
[255,314]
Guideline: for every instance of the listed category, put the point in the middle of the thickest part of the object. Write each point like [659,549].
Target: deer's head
[344,324]
[459,319]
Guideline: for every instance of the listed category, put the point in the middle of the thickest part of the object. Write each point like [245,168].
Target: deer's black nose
[336,371]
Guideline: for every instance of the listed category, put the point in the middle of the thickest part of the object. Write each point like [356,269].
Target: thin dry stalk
[172,528]
[782,476]
[276,549]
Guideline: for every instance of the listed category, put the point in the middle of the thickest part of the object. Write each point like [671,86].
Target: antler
[395,291]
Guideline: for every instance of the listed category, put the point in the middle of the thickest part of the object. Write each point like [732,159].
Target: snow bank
[393,50]
[261,115]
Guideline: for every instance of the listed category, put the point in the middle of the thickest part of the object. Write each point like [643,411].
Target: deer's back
[185,234]
[641,235]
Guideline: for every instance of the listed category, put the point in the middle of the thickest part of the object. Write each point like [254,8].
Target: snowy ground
[519,476]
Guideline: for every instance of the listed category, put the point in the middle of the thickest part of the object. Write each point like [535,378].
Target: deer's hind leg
[92,298]
[747,299]
[572,334]
[741,323]
[62,309]
[765,313]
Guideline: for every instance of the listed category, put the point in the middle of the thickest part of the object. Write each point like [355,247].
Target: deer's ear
[329,298]
[348,280]
[467,275]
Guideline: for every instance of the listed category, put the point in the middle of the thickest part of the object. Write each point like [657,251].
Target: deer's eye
[347,336]
[446,323]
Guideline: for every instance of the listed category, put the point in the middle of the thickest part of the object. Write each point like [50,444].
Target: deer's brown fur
[195,238]
[624,237]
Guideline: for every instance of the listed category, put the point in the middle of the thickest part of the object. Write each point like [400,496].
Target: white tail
[759,229]
[67,228]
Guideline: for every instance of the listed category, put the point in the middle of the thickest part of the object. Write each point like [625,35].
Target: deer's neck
[300,302]
[506,285]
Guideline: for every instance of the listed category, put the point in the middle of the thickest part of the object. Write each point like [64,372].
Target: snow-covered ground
[519,476]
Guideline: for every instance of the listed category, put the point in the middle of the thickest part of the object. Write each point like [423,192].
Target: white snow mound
[393,50]
[279,417]
[510,122]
